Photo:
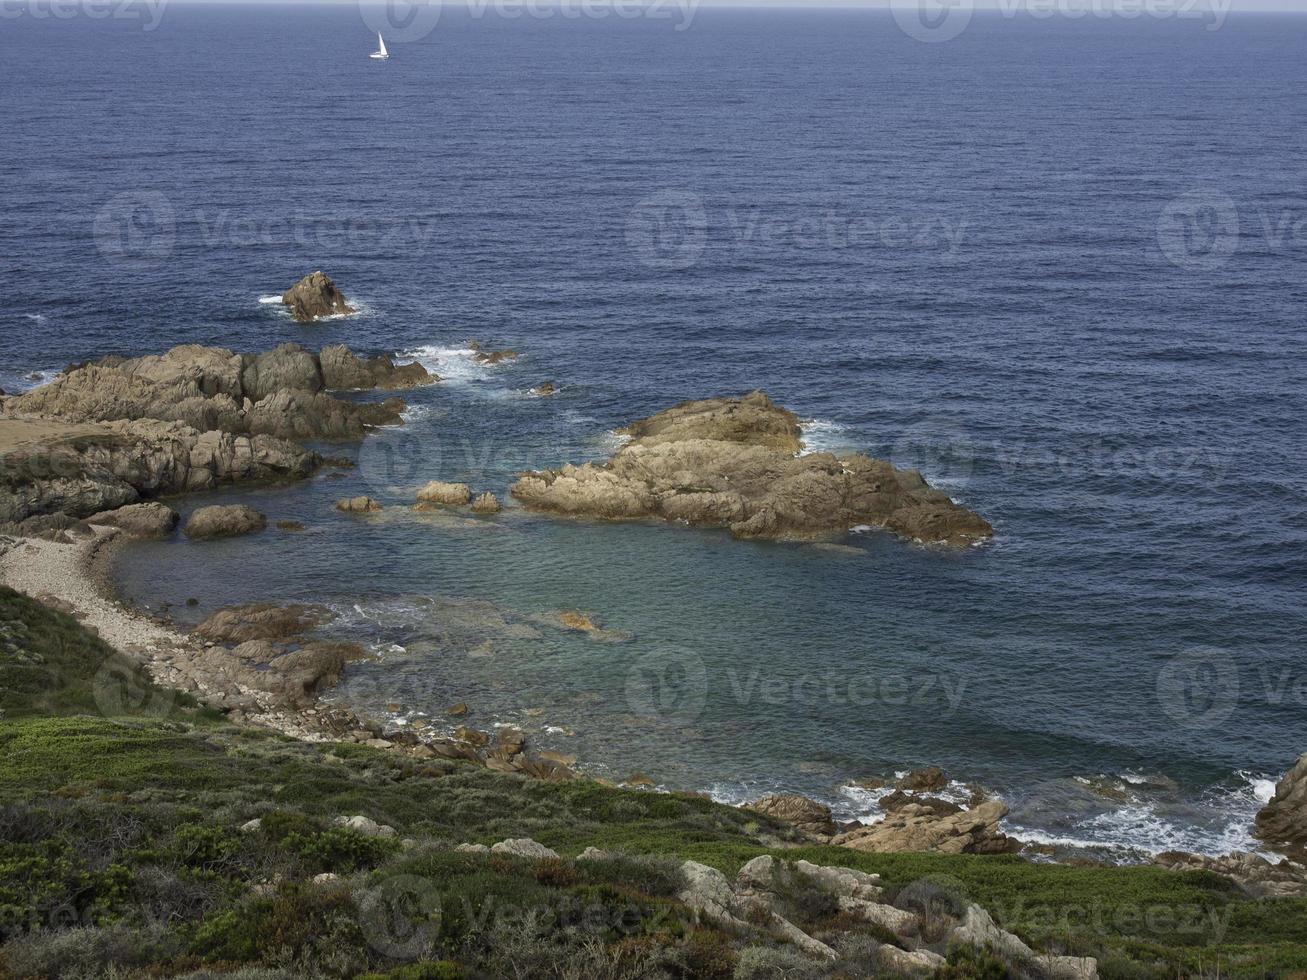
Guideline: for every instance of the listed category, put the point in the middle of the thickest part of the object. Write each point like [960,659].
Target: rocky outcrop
[445,494]
[152,520]
[979,930]
[342,369]
[1282,823]
[54,467]
[282,392]
[731,462]
[922,827]
[314,297]
[808,815]
[224,521]
[1253,874]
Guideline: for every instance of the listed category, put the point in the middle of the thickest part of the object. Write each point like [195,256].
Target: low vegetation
[129,847]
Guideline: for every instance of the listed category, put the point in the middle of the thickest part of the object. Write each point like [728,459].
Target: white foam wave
[1216,824]
[21,380]
[35,317]
[454,365]
[823,436]
[269,300]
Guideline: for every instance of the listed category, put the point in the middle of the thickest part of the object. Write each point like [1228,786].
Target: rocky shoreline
[86,455]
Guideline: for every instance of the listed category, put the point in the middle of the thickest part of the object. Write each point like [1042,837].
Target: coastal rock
[358,505]
[446,494]
[152,520]
[732,463]
[262,621]
[914,827]
[1282,823]
[544,390]
[49,466]
[224,521]
[931,778]
[294,675]
[486,503]
[342,369]
[491,357]
[808,815]
[1253,874]
[315,296]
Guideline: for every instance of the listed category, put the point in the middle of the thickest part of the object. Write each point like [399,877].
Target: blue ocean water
[1057,264]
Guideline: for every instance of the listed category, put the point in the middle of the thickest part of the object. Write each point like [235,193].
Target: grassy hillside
[126,850]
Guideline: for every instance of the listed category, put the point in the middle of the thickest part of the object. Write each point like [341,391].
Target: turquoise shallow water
[963,256]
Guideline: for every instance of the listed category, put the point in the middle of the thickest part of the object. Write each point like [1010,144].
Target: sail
[382,41]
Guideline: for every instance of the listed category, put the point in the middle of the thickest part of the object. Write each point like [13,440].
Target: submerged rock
[731,462]
[226,521]
[358,505]
[315,296]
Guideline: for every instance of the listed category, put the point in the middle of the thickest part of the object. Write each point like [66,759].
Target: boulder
[262,621]
[486,503]
[731,462]
[914,827]
[448,494]
[365,826]
[807,815]
[1282,823]
[472,849]
[152,520]
[224,521]
[524,848]
[544,390]
[315,296]
[358,505]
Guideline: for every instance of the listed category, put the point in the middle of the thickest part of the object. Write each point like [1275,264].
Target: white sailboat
[381,54]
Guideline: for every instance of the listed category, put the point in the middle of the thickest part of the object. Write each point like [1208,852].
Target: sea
[1053,260]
